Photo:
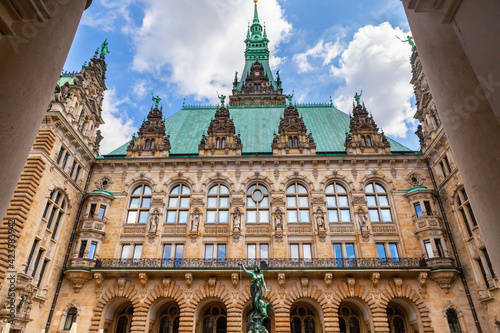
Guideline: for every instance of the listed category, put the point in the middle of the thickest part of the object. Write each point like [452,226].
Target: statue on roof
[222,99]
[104,48]
[409,40]
[290,97]
[156,99]
[357,98]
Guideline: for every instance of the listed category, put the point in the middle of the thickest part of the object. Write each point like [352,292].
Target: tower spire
[256,14]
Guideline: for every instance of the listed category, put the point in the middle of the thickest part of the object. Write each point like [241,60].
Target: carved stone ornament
[103,183]
[98,280]
[78,279]
[211,284]
[444,279]
[278,219]
[415,179]
[318,200]
[236,220]
[320,219]
[422,278]
[304,281]
[197,201]
[351,283]
[195,221]
[143,279]
[375,280]
[234,279]
[328,279]
[398,283]
[281,280]
[189,279]
[364,229]
[358,199]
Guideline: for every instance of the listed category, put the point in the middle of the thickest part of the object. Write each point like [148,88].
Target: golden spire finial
[255,1]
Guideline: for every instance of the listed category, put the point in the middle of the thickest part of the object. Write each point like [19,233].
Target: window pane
[147,190]
[209,251]
[179,251]
[264,216]
[175,190]
[343,202]
[264,202]
[349,251]
[137,191]
[380,189]
[331,202]
[221,251]
[393,249]
[301,189]
[345,215]
[146,202]
[292,216]
[264,251]
[373,215]
[369,188]
[294,251]
[251,251]
[290,189]
[381,251]
[211,216]
[172,202]
[223,190]
[341,189]
[223,216]
[224,202]
[125,252]
[333,216]
[184,203]
[167,251]
[307,251]
[386,215]
[143,217]
[102,211]
[304,216]
[185,191]
[92,249]
[418,210]
[371,201]
[428,249]
[213,190]
[183,216]
[303,202]
[291,202]
[330,189]
[132,217]
[337,251]
[171,216]
[382,199]
[251,189]
[134,203]
[251,203]
[252,216]
[138,252]
[212,202]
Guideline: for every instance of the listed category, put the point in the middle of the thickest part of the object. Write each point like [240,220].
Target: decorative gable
[293,138]
[221,138]
[364,137]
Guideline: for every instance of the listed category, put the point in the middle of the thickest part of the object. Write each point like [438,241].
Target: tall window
[218,204]
[387,251]
[349,320]
[215,252]
[54,211]
[297,204]
[173,252]
[140,201]
[124,322]
[70,318]
[453,321]
[214,320]
[257,204]
[466,212]
[344,254]
[337,203]
[131,251]
[302,320]
[170,320]
[178,204]
[377,199]
[256,253]
[397,322]
[298,251]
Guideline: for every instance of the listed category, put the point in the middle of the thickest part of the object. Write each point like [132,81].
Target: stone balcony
[93,224]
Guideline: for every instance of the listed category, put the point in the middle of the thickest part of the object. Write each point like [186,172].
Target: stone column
[34,44]
[466,114]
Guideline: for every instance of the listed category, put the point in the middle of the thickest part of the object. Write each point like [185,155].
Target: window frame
[337,207]
[218,208]
[178,209]
[139,209]
[297,209]
[257,208]
[378,207]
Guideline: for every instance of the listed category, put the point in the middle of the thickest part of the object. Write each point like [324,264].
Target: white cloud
[376,62]
[106,19]
[141,87]
[200,43]
[118,128]
[322,51]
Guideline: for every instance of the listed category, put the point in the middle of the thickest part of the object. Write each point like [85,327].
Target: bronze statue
[357,97]
[222,99]
[104,48]
[259,307]
[156,99]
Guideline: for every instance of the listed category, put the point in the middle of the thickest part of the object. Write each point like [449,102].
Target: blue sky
[190,49]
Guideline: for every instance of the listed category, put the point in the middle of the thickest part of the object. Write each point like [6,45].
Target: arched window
[152,144]
[124,320]
[397,320]
[297,204]
[170,320]
[218,204]
[368,141]
[349,320]
[217,143]
[54,211]
[466,212]
[337,203]
[178,204]
[140,201]
[377,199]
[257,204]
[223,143]
[363,141]
[296,142]
[146,146]
[290,142]
[302,320]
[453,321]
[70,318]
[214,320]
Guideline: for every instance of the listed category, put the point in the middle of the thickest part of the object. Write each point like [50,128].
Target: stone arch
[389,184]
[136,181]
[179,179]
[219,179]
[299,179]
[64,190]
[124,291]
[399,290]
[64,313]
[336,178]
[211,290]
[257,178]
[167,290]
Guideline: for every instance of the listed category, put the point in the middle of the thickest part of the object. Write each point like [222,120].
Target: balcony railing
[361,263]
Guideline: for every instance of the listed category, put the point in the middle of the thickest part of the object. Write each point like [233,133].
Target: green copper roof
[103,192]
[417,188]
[257,126]
[63,79]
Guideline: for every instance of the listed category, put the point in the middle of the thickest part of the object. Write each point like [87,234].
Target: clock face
[257,73]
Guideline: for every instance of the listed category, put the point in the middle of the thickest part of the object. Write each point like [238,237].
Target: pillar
[34,44]
[467,116]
